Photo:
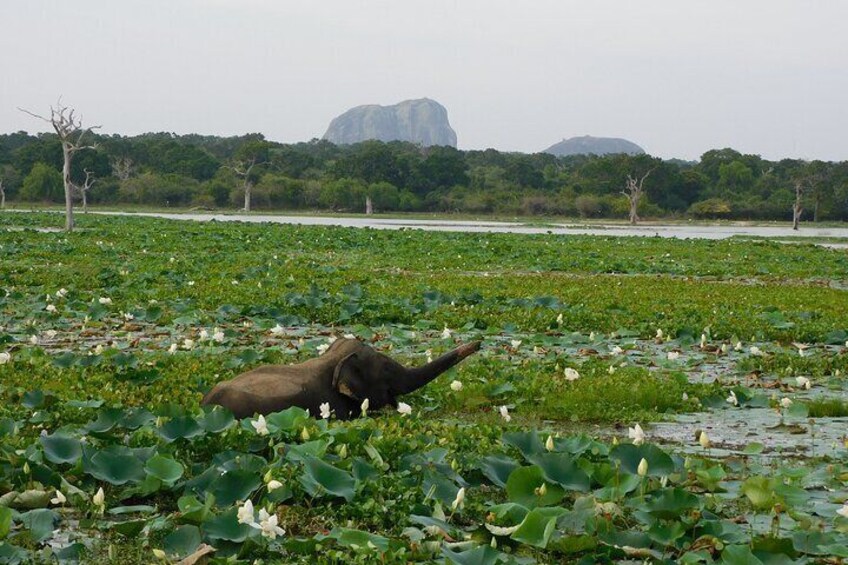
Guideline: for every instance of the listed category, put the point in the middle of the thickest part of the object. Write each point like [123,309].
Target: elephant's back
[274,380]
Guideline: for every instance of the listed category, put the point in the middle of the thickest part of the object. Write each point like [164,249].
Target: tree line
[250,172]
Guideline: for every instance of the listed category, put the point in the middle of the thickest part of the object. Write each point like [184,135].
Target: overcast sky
[677,77]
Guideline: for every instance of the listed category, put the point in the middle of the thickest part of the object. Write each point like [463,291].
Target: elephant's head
[362,372]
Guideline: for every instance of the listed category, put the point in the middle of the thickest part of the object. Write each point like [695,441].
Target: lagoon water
[679,231]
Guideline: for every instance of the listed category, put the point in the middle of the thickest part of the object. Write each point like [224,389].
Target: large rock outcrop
[588,145]
[421,121]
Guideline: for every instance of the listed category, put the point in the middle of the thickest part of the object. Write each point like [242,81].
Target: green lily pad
[40,523]
[561,469]
[182,541]
[629,455]
[320,478]
[164,468]
[114,465]
[180,427]
[234,486]
[358,539]
[538,526]
[5,521]
[525,486]
[227,527]
[60,448]
[497,468]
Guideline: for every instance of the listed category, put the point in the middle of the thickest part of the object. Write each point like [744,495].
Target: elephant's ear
[348,378]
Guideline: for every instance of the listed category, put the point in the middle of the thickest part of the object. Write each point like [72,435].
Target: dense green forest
[163,169]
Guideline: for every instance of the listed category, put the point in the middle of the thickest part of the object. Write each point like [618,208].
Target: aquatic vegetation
[550,445]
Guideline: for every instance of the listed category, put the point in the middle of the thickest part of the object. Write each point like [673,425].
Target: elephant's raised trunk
[417,377]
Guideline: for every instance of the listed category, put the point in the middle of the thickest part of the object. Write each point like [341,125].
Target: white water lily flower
[571,374]
[642,469]
[803,382]
[99,499]
[673,355]
[204,334]
[404,409]
[62,293]
[274,485]
[611,369]
[51,308]
[542,490]
[429,354]
[659,333]
[459,500]
[456,386]
[172,349]
[502,530]
[277,330]
[321,349]
[704,440]
[364,407]
[738,346]
[724,348]
[268,525]
[50,334]
[549,443]
[559,320]
[159,554]
[127,316]
[218,335]
[59,498]
[617,350]
[98,349]
[260,425]
[785,402]
[684,397]
[5,358]
[592,336]
[188,343]
[349,336]
[844,510]
[732,399]
[33,339]
[505,413]
[325,410]
[637,434]
[754,350]
[245,513]
[515,343]
[703,340]
[105,300]
[446,333]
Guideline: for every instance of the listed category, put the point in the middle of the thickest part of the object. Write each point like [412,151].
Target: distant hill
[421,121]
[588,145]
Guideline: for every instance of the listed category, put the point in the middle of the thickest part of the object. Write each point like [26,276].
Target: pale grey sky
[678,77]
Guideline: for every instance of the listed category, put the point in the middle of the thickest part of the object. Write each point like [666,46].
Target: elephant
[347,374]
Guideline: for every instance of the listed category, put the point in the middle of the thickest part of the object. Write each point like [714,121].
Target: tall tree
[84,188]
[247,157]
[633,190]
[70,130]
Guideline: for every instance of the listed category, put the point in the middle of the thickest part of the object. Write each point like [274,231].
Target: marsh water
[679,231]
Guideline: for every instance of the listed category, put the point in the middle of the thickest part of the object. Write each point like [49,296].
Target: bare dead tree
[798,206]
[243,169]
[122,168]
[71,132]
[83,189]
[2,196]
[633,190]
[369,206]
